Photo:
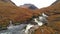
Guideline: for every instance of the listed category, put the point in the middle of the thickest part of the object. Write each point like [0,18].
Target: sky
[37,3]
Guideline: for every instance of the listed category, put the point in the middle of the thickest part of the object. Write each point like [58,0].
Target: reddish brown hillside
[53,12]
[8,11]
[14,13]
[44,30]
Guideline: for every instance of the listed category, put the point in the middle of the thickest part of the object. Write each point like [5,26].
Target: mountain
[53,25]
[55,2]
[8,11]
[7,2]
[44,30]
[29,6]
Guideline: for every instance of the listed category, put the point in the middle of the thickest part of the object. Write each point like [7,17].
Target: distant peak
[29,6]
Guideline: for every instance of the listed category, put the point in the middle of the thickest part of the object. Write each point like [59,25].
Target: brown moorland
[53,12]
[15,14]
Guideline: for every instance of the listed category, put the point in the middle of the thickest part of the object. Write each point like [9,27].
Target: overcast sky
[37,3]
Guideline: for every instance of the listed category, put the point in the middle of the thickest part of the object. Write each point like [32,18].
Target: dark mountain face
[29,6]
[32,7]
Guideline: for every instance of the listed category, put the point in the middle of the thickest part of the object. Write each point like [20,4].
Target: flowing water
[14,30]
[19,29]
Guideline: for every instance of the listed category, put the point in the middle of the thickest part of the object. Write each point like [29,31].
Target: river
[18,29]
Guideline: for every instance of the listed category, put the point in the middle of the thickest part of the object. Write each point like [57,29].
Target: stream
[18,29]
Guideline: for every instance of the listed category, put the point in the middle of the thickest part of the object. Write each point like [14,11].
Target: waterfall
[44,15]
[28,27]
[38,22]
[10,25]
